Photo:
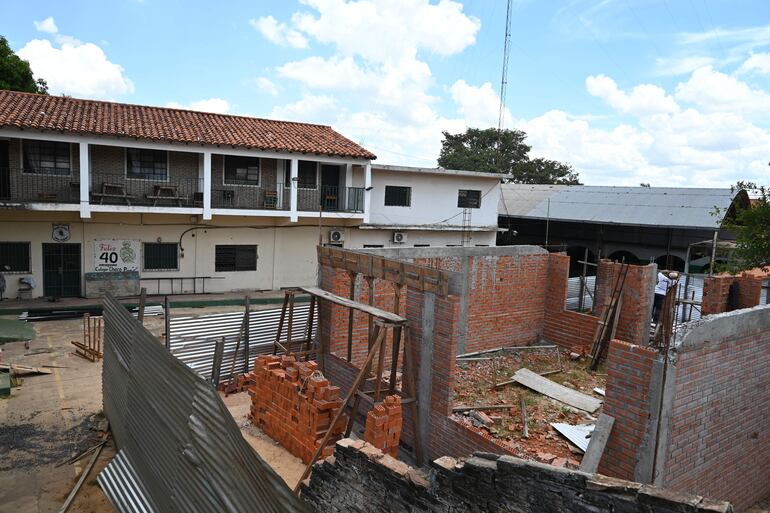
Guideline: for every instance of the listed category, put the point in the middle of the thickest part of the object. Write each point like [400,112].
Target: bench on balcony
[271,200]
[113,190]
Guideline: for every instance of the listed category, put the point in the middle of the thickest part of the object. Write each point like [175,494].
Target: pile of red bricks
[383,425]
[294,405]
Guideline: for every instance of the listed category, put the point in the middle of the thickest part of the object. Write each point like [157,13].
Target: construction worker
[666,280]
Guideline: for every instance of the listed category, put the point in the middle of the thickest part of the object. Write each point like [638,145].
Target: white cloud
[479,106]
[681,65]
[278,33]
[311,109]
[757,63]
[78,69]
[48,26]
[216,105]
[267,85]
[643,100]
[714,91]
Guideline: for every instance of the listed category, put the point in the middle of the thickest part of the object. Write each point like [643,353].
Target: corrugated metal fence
[690,288]
[573,293]
[180,449]
[193,339]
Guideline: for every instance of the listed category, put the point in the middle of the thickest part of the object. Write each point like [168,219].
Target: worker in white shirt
[666,280]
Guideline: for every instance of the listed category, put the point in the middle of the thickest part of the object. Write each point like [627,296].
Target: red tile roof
[90,117]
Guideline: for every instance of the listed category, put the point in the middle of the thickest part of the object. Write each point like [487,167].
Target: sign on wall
[116,255]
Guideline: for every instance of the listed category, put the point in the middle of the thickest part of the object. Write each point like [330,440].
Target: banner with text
[116,255]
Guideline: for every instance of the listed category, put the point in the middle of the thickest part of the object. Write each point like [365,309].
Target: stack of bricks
[383,425]
[294,405]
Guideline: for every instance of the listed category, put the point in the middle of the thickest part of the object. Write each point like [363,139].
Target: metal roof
[668,207]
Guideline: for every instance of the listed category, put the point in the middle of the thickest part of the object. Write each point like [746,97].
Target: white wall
[358,238]
[434,199]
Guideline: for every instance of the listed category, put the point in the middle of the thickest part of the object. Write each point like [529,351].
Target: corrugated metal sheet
[694,285]
[181,450]
[764,298]
[573,293]
[638,206]
[579,435]
[193,339]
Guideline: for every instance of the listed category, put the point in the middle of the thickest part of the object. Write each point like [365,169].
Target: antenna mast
[504,79]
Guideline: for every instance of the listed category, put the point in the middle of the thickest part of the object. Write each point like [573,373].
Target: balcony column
[293,191]
[206,185]
[367,191]
[85,180]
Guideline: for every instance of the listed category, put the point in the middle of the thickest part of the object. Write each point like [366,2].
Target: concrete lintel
[425,376]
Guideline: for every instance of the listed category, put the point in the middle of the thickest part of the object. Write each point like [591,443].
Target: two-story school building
[98,196]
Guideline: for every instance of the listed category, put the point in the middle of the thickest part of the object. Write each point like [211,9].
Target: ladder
[608,322]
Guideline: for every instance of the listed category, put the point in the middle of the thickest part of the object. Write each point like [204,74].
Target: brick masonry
[716,291]
[637,298]
[383,425]
[294,404]
[629,371]
[359,477]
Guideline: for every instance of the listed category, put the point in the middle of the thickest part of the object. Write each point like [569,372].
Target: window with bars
[467,198]
[241,170]
[161,256]
[397,196]
[235,257]
[145,164]
[46,157]
[14,257]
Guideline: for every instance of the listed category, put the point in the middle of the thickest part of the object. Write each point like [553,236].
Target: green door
[61,269]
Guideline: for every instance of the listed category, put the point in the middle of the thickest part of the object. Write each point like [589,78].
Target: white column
[85,180]
[348,175]
[294,185]
[280,179]
[367,191]
[206,185]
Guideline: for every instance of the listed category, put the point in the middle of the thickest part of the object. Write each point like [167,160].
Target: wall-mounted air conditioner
[399,237]
[336,236]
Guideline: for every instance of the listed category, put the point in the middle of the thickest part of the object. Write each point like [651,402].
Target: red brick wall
[716,290]
[629,369]
[638,295]
[573,330]
[719,444]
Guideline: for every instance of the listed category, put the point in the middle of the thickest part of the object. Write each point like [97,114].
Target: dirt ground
[52,417]
[476,386]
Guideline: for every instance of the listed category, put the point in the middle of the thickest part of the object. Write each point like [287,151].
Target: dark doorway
[61,270]
[330,187]
[5,171]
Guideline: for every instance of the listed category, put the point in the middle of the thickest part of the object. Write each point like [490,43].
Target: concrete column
[425,373]
[294,184]
[280,179]
[367,191]
[85,180]
[206,185]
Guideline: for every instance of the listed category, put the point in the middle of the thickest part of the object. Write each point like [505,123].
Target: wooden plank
[484,407]
[597,443]
[24,368]
[361,307]
[556,391]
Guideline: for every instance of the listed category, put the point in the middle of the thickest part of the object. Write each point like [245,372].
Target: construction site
[405,379]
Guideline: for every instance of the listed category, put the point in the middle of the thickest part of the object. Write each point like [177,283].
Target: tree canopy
[752,228]
[494,151]
[15,73]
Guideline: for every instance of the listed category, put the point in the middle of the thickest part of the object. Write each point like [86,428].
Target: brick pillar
[638,296]
[716,290]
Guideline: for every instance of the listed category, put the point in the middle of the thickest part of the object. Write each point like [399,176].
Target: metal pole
[246,320]
[547,221]
[216,369]
[167,322]
[142,301]
[713,254]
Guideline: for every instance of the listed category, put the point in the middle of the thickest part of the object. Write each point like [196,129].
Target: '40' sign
[116,255]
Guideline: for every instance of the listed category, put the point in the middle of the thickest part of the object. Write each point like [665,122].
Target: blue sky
[671,92]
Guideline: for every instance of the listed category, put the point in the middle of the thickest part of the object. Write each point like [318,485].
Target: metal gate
[61,269]
[690,295]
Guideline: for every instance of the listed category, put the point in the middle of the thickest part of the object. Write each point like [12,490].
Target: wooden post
[365,369]
[352,392]
[216,366]
[410,389]
[395,347]
[142,301]
[370,282]
[309,327]
[280,322]
[350,316]
[246,339]
[167,322]
[291,323]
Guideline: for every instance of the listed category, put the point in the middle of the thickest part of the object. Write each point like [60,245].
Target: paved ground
[52,417]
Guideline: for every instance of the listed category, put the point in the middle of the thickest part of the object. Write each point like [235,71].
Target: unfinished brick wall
[294,405]
[638,296]
[629,369]
[361,478]
[383,425]
[573,330]
[719,442]
[716,291]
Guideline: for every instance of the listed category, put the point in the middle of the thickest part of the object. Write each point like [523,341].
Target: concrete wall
[359,238]
[360,478]
[434,199]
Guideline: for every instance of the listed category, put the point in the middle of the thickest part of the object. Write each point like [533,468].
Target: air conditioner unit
[336,236]
[399,237]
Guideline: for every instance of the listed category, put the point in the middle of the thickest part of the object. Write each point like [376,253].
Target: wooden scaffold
[367,386]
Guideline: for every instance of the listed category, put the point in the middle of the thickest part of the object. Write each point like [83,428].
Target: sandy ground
[52,417]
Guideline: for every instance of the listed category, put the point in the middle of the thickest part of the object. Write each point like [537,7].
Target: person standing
[666,280]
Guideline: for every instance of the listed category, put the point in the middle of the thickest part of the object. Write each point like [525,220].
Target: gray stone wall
[360,478]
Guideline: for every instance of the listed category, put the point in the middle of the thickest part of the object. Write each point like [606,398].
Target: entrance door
[61,270]
[330,187]
[5,171]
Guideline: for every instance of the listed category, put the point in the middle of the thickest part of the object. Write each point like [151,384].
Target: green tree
[15,73]
[493,151]
[752,228]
